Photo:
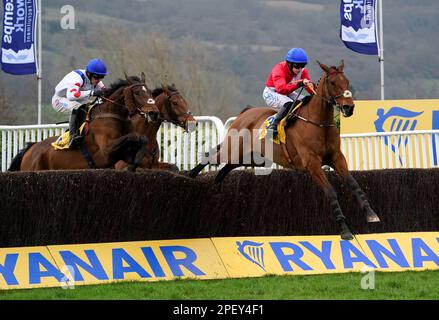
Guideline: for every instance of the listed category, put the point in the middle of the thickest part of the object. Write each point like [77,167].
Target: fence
[405,149]
[176,146]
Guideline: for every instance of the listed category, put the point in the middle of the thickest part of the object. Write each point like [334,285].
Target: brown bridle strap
[136,111]
[177,123]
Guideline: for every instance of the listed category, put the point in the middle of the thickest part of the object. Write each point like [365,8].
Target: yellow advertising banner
[66,266]
[392,115]
[140,261]
[383,150]
[301,255]
[32,267]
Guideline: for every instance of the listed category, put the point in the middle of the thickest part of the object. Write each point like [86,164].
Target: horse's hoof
[190,174]
[372,217]
[347,235]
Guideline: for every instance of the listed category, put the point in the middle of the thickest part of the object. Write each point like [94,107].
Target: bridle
[187,114]
[137,110]
[332,101]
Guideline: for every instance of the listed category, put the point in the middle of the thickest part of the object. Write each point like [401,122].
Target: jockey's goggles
[298,65]
[97,76]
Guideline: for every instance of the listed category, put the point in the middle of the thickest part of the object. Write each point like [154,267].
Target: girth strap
[87,157]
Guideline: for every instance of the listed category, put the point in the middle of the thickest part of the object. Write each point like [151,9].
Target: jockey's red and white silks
[72,91]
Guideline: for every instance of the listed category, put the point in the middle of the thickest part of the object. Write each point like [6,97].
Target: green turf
[398,285]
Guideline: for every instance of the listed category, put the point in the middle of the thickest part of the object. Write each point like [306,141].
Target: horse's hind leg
[206,161]
[315,169]
[222,173]
[341,167]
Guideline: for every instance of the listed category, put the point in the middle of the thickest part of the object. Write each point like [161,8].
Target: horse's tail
[16,162]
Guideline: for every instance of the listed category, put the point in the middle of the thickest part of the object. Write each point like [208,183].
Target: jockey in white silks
[74,90]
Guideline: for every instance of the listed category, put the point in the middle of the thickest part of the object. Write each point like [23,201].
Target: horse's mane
[246,108]
[159,90]
[119,84]
[324,74]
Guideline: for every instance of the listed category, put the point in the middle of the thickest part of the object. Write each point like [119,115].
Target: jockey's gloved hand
[96,93]
[299,84]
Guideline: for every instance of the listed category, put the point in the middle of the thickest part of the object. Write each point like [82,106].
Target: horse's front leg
[130,148]
[340,165]
[314,166]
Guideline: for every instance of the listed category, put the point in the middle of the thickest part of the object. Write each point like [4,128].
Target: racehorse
[312,140]
[109,136]
[172,108]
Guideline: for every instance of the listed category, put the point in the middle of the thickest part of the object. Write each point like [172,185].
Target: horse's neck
[319,109]
[113,105]
[149,129]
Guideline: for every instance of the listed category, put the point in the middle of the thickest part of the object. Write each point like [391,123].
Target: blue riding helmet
[297,55]
[96,66]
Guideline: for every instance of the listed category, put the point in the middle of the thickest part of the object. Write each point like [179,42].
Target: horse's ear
[165,88]
[143,77]
[341,65]
[127,78]
[323,66]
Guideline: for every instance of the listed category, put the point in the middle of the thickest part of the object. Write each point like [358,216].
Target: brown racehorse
[110,137]
[312,140]
[173,108]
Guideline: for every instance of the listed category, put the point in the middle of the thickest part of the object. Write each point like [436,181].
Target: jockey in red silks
[74,90]
[286,77]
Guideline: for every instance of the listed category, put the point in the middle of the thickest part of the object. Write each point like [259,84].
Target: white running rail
[368,151]
[176,146]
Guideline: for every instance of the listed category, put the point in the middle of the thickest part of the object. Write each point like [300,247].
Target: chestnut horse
[172,108]
[110,136]
[312,140]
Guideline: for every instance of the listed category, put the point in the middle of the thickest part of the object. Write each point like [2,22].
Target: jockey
[286,77]
[74,90]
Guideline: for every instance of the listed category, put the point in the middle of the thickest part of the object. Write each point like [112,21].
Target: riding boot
[283,111]
[75,136]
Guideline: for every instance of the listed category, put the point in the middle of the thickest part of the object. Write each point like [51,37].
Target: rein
[332,101]
[131,112]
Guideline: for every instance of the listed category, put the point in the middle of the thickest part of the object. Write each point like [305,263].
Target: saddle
[288,120]
[62,142]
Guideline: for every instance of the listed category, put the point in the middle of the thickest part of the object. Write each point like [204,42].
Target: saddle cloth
[62,142]
[281,136]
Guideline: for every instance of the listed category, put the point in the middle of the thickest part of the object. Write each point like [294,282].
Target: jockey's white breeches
[277,100]
[62,104]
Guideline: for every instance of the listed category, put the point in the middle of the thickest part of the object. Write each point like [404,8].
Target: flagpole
[381,55]
[39,73]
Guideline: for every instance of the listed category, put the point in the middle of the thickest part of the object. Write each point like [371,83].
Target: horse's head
[336,89]
[173,107]
[139,99]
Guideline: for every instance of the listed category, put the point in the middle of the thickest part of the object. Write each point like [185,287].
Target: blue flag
[358,29]
[18,42]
